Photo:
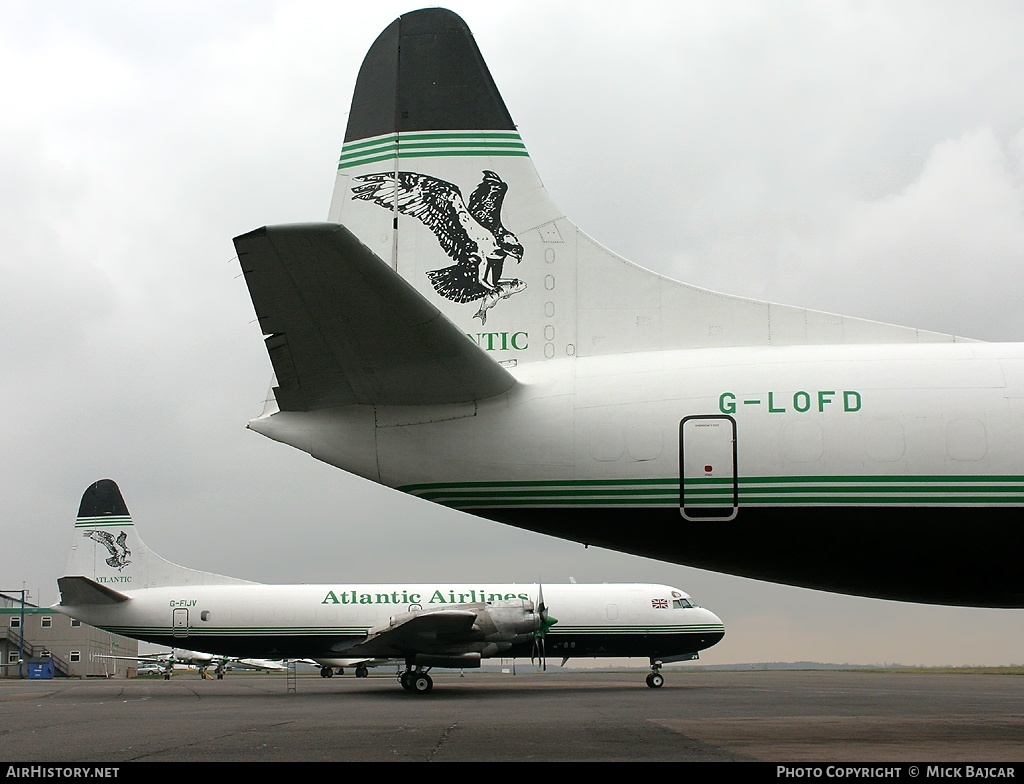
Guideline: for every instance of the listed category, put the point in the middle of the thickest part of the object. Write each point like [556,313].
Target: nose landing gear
[655,680]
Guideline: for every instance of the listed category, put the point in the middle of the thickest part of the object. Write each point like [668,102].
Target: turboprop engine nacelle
[508,622]
[455,661]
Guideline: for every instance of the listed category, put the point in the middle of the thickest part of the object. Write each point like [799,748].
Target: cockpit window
[680,604]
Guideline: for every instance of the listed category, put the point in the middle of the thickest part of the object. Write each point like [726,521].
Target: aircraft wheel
[326,672]
[361,671]
[422,683]
[406,680]
[655,680]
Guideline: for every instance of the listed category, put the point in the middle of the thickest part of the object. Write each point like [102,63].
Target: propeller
[546,622]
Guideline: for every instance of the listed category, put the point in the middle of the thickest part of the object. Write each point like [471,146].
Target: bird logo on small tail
[117,548]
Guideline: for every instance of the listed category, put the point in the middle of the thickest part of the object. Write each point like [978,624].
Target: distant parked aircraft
[424,625]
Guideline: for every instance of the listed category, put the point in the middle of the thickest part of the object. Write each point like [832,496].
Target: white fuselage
[739,460]
[315,621]
[935,409]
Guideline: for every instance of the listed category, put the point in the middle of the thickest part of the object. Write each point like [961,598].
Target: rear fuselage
[888,458]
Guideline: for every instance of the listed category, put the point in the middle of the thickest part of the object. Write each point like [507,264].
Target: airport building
[49,642]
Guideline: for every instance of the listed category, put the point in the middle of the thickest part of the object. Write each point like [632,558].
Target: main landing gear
[328,672]
[655,680]
[416,681]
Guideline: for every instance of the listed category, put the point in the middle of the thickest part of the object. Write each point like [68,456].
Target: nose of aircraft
[712,625]
[710,616]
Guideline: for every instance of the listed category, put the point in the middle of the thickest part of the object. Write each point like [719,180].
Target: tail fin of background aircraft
[435,179]
[108,555]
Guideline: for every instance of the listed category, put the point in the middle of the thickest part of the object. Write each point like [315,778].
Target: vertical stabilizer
[435,180]
[108,549]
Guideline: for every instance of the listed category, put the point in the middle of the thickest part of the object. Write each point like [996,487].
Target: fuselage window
[965,439]
[681,604]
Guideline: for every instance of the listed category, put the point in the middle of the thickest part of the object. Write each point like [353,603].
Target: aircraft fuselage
[732,457]
[323,621]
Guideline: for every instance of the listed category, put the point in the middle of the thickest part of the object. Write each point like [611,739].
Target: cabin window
[75,656]
[12,657]
[681,604]
[884,440]
[644,442]
[46,622]
[607,442]
[205,615]
[75,622]
[965,439]
[15,621]
[802,442]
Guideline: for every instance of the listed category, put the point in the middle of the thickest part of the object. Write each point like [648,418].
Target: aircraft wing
[425,631]
[142,658]
[258,664]
[344,328]
[368,661]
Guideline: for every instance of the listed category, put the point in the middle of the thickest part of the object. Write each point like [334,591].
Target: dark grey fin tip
[425,73]
[103,498]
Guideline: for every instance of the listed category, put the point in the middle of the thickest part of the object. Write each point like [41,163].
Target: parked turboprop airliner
[452,334]
[182,657]
[114,582]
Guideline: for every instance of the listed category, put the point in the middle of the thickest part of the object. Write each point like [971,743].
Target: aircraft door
[179,622]
[708,479]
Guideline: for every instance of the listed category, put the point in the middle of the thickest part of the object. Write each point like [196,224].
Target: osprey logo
[473,235]
[119,552]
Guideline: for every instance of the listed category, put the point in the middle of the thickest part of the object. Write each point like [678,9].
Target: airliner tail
[108,557]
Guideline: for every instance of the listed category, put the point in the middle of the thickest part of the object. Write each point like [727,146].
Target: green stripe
[695,629]
[427,145]
[831,480]
[137,631]
[584,492]
[987,490]
[103,522]
[673,483]
[841,501]
[898,489]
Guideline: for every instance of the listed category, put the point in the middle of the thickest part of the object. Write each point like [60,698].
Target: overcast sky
[863,158]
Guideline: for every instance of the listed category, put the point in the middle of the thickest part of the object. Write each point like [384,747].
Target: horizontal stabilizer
[77,591]
[344,328]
